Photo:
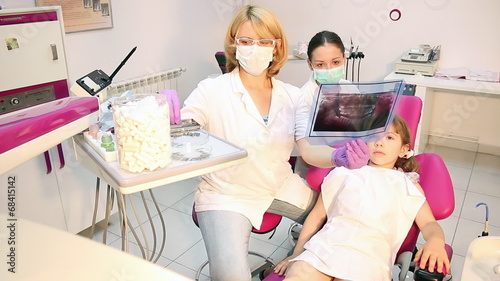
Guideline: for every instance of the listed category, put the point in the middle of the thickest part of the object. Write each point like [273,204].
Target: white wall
[179,33]
[465,29]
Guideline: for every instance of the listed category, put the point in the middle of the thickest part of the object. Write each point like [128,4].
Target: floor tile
[478,214]
[487,163]
[138,212]
[280,254]
[459,202]
[185,205]
[182,233]
[185,271]
[194,257]
[453,156]
[98,235]
[467,231]
[133,249]
[169,194]
[460,176]
[457,263]
[485,182]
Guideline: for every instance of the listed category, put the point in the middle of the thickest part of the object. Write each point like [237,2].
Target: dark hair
[411,164]
[322,38]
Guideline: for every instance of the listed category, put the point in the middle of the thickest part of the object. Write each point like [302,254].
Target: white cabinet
[63,199]
[36,193]
[32,60]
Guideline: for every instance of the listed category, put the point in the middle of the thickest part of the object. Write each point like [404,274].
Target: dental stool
[269,223]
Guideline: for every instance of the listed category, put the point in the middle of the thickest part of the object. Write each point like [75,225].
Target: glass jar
[142,129]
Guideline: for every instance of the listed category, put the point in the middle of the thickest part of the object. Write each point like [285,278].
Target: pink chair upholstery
[438,187]
[434,179]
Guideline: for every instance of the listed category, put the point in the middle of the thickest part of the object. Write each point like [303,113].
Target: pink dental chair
[434,179]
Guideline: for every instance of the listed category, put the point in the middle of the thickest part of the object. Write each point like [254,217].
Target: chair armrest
[425,275]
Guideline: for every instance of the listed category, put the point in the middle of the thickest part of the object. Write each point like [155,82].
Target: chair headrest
[410,108]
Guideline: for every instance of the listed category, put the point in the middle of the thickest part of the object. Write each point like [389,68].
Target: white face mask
[254,59]
[332,75]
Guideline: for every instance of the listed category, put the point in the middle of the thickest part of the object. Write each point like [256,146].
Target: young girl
[362,217]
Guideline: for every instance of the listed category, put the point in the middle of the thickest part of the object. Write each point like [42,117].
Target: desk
[425,88]
[223,155]
[44,253]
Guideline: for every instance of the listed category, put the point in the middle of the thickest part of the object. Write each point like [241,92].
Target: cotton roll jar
[142,129]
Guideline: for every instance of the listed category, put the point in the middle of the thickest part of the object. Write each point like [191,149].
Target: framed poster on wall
[83,15]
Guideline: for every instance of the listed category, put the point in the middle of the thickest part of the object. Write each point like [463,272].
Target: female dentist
[250,108]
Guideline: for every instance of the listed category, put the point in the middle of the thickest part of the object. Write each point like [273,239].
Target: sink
[482,262]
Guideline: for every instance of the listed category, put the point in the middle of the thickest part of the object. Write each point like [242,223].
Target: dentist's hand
[173,105]
[353,155]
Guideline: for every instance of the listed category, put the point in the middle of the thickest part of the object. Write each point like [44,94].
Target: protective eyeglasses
[260,42]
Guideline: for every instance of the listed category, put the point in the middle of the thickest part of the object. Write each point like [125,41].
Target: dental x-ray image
[343,111]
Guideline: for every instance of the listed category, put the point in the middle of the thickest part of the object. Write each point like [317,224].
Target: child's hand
[282,267]
[433,255]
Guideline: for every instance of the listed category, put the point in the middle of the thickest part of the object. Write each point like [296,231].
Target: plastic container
[142,129]
[108,156]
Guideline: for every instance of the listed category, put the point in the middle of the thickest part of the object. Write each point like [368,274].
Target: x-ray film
[344,111]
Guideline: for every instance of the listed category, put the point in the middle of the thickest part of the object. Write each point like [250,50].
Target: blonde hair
[267,25]
[411,164]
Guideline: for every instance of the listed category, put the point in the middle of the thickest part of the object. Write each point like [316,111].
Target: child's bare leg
[302,271]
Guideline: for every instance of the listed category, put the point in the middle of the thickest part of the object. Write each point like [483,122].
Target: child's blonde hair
[411,164]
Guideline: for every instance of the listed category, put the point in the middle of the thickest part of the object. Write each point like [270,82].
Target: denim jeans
[226,235]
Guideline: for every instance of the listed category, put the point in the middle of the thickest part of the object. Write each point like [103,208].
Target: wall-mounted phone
[424,54]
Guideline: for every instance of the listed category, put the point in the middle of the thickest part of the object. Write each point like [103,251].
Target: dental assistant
[250,108]
[326,59]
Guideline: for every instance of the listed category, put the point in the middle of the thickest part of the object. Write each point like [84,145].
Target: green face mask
[332,75]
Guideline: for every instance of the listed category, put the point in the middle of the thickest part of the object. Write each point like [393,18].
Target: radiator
[151,83]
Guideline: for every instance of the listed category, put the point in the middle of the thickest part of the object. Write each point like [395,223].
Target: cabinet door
[36,193]
[77,187]
[32,62]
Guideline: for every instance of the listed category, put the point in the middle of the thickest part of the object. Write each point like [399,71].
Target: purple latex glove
[174,106]
[353,155]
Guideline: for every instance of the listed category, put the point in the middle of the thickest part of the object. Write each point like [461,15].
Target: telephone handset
[422,55]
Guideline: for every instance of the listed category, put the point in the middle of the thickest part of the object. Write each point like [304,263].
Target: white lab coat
[369,213]
[225,109]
